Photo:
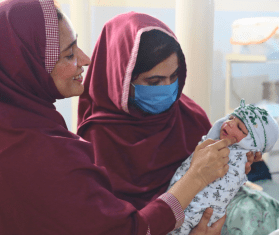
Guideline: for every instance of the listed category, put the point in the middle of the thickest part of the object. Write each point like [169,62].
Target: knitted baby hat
[262,128]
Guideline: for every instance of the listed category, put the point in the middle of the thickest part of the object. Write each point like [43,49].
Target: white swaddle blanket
[263,133]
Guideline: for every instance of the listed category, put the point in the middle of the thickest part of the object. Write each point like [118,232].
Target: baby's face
[233,129]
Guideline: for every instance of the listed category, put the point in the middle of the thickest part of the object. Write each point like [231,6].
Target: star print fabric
[216,195]
[220,192]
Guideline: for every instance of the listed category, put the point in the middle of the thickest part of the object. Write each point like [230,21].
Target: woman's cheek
[70,70]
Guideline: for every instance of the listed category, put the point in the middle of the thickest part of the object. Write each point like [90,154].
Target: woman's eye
[70,56]
[154,83]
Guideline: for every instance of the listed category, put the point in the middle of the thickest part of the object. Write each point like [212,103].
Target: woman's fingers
[217,144]
[258,157]
[217,226]
[205,144]
[247,168]
[252,158]
[224,153]
[205,218]
[210,160]
[226,169]
[222,144]
[222,171]
[202,228]
[225,160]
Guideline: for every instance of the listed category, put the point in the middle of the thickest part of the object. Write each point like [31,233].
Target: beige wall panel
[194,30]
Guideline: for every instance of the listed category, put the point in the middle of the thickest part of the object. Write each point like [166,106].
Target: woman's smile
[78,78]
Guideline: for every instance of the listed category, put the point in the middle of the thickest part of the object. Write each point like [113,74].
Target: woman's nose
[83,59]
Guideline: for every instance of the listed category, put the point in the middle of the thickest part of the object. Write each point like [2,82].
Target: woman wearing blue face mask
[155,76]
[133,111]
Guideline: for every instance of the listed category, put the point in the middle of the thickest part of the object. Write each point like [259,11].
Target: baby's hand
[250,159]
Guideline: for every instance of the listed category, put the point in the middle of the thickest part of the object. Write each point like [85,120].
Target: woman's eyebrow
[73,43]
[161,77]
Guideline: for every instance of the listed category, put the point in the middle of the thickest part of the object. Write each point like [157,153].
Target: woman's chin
[77,91]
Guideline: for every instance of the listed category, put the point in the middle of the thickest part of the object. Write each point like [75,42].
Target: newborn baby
[252,129]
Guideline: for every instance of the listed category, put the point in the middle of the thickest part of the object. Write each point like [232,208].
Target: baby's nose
[231,123]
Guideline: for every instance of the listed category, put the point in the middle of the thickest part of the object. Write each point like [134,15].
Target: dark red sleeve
[53,188]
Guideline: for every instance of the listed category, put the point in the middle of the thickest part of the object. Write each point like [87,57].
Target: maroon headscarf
[140,153]
[48,184]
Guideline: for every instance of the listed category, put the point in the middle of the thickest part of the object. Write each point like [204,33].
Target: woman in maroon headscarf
[140,131]
[48,182]
[141,152]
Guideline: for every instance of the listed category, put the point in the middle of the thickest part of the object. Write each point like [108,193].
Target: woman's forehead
[67,34]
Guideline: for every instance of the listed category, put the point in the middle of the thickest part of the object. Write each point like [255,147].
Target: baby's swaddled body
[262,135]
[216,195]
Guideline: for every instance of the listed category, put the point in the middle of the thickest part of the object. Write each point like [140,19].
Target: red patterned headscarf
[141,154]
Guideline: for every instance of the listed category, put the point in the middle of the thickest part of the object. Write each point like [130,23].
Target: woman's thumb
[206,216]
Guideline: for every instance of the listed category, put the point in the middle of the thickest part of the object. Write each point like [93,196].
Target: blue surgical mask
[155,99]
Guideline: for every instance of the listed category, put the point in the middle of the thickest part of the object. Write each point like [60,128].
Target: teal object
[251,212]
[155,99]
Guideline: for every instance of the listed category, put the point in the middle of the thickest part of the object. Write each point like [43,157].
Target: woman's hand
[208,163]
[203,229]
[210,160]
[250,159]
